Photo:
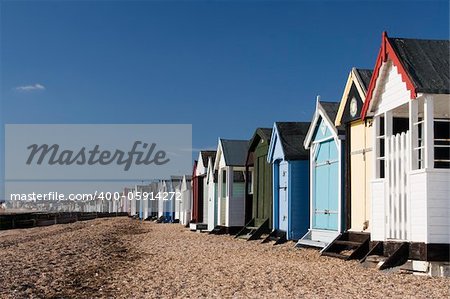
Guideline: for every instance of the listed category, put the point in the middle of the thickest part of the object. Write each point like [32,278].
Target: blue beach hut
[326,145]
[290,164]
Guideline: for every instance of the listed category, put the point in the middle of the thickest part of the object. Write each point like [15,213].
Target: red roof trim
[371,87]
[194,169]
[386,51]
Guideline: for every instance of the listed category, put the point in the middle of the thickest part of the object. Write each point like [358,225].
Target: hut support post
[428,113]
[229,194]
[413,129]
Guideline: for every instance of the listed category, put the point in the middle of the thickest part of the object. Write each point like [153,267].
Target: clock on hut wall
[353,107]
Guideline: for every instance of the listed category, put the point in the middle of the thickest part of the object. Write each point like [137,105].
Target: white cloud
[29,88]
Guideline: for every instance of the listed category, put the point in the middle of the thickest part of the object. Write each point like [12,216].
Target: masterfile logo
[52,155]
[96,152]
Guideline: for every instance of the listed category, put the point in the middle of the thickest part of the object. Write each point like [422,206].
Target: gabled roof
[364,75]
[186,183]
[260,134]
[423,64]
[205,155]
[426,62]
[176,180]
[291,135]
[327,111]
[234,151]
[361,79]
[331,109]
[215,175]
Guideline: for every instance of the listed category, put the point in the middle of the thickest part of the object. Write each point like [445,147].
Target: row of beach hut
[367,178]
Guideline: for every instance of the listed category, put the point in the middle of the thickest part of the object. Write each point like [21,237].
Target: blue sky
[226,67]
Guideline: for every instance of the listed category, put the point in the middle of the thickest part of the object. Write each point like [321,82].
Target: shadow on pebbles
[125,258]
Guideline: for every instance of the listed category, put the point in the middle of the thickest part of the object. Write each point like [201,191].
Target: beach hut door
[397,168]
[283,197]
[326,186]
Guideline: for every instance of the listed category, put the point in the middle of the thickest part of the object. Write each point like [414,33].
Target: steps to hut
[251,232]
[276,236]
[348,246]
[385,256]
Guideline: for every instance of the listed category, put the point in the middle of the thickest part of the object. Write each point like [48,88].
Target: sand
[125,258]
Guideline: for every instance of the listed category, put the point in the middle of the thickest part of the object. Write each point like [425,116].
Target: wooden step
[218,230]
[398,257]
[272,238]
[347,243]
[373,261]
[375,258]
[251,232]
[356,236]
[311,243]
[251,227]
[244,237]
[336,255]
[350,244]
[276,236]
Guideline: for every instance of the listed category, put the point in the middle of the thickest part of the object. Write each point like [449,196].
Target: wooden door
[283,196]
[223,197]
[359,160]
[262,195]
[326,186]
[397,201]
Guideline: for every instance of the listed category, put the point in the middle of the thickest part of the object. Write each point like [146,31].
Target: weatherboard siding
[438,210]
[418,210]
[290,191]
[394,92]
[322,131]
[378,210]
[278,149]
[298,197]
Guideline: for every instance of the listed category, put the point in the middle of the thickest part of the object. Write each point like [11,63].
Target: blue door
[283,196]
[326,186]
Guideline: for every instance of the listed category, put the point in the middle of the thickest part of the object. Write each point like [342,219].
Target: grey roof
[426,61]
[205,156]
[260,133]
[265,133]
[365,76]
[331,109]
[292,136]
[176,180]
[234,151]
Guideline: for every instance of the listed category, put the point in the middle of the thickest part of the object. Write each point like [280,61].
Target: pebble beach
[126,258]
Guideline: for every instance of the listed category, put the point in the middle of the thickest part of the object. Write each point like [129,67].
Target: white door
[283,196]
[397,168]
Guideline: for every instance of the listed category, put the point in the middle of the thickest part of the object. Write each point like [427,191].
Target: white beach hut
[408,98]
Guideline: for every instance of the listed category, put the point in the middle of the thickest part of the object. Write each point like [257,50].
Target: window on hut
[250,182]
[380,147]
[442,143]
[224,183]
